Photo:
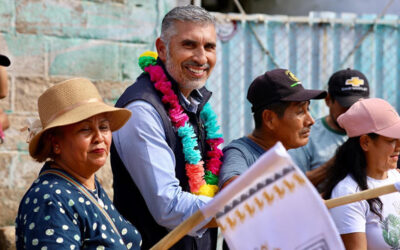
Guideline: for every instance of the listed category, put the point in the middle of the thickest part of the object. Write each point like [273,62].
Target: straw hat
[69,102]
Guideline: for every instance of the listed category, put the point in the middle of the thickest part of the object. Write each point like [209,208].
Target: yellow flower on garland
[150,54]
[208,190]
[147,58]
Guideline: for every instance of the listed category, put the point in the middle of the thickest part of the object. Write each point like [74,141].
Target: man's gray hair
[189,13]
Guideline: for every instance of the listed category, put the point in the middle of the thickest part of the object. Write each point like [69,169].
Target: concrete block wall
[52,40]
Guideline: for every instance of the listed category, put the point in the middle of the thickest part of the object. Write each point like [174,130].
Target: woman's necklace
[95,193]
[200,182]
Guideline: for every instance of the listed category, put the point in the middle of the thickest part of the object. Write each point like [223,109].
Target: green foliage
[391,231]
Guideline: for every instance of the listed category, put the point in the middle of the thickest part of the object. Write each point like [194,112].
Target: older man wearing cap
[4,123]
[345,87]
[280,106]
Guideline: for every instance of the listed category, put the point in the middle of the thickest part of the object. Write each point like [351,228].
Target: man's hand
[229,181]
[211,224]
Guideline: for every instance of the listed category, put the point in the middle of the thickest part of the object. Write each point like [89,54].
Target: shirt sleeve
[301,157]
[234,164]
[142,147]
[350,218]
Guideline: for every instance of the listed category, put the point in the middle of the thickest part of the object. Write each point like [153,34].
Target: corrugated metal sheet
[312,48]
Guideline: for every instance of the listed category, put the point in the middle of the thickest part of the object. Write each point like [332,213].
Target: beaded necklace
[201,182]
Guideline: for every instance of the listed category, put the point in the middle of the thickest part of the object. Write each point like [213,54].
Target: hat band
[69,108]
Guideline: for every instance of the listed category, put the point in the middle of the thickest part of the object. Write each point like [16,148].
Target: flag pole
[175,235]
[363,195]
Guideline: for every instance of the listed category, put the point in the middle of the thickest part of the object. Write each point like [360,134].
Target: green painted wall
[53,40]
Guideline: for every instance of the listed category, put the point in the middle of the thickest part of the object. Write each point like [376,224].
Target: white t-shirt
[357,217]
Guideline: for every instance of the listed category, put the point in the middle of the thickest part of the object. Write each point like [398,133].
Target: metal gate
[311,47]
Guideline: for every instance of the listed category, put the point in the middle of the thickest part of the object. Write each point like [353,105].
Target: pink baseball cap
[372,115]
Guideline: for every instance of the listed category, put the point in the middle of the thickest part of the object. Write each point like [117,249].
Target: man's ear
[161,49]
[270,119]
[365,142]
[328,100]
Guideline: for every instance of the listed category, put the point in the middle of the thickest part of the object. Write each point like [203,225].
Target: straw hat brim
[116,116]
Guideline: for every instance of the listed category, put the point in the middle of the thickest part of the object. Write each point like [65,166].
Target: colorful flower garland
[200,182]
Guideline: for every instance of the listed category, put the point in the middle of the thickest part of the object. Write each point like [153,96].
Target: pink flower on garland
[165,88]
[156,73]
[215,142]
[215,154]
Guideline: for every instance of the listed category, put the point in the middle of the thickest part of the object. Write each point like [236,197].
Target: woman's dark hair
[350,159]
[44,150]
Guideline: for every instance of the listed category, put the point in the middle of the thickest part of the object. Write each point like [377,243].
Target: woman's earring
[56,149]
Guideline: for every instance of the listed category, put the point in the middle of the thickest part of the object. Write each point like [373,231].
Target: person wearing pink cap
[367,160]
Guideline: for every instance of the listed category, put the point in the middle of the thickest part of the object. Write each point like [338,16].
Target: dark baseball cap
[348,86]
[279,85]
[4,61]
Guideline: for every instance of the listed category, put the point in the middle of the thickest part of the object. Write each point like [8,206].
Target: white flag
[274,206]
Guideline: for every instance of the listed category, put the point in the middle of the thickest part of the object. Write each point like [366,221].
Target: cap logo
[354,81]
[293,78]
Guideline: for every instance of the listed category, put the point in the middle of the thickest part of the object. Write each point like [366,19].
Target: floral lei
[200,182]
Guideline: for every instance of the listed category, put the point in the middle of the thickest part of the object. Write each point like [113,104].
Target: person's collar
[191,103]
[261,139]
[325,122]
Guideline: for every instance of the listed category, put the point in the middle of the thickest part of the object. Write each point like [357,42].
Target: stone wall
[52,40]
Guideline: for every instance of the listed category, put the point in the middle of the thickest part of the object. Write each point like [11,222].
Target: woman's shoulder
[394,174]
[50,185]
[345,187]
[47,190]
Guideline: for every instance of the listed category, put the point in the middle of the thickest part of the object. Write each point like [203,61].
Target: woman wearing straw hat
[66,207]
[367,160]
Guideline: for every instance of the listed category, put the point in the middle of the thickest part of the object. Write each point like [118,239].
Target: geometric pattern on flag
[257,203]
[254,189]
[282,211]
[318,243]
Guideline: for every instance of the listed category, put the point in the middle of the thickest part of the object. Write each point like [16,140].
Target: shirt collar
[191,103]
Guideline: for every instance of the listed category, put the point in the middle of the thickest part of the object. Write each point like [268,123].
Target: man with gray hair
[151,186]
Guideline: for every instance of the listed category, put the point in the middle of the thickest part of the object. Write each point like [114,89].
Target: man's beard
[180,78]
